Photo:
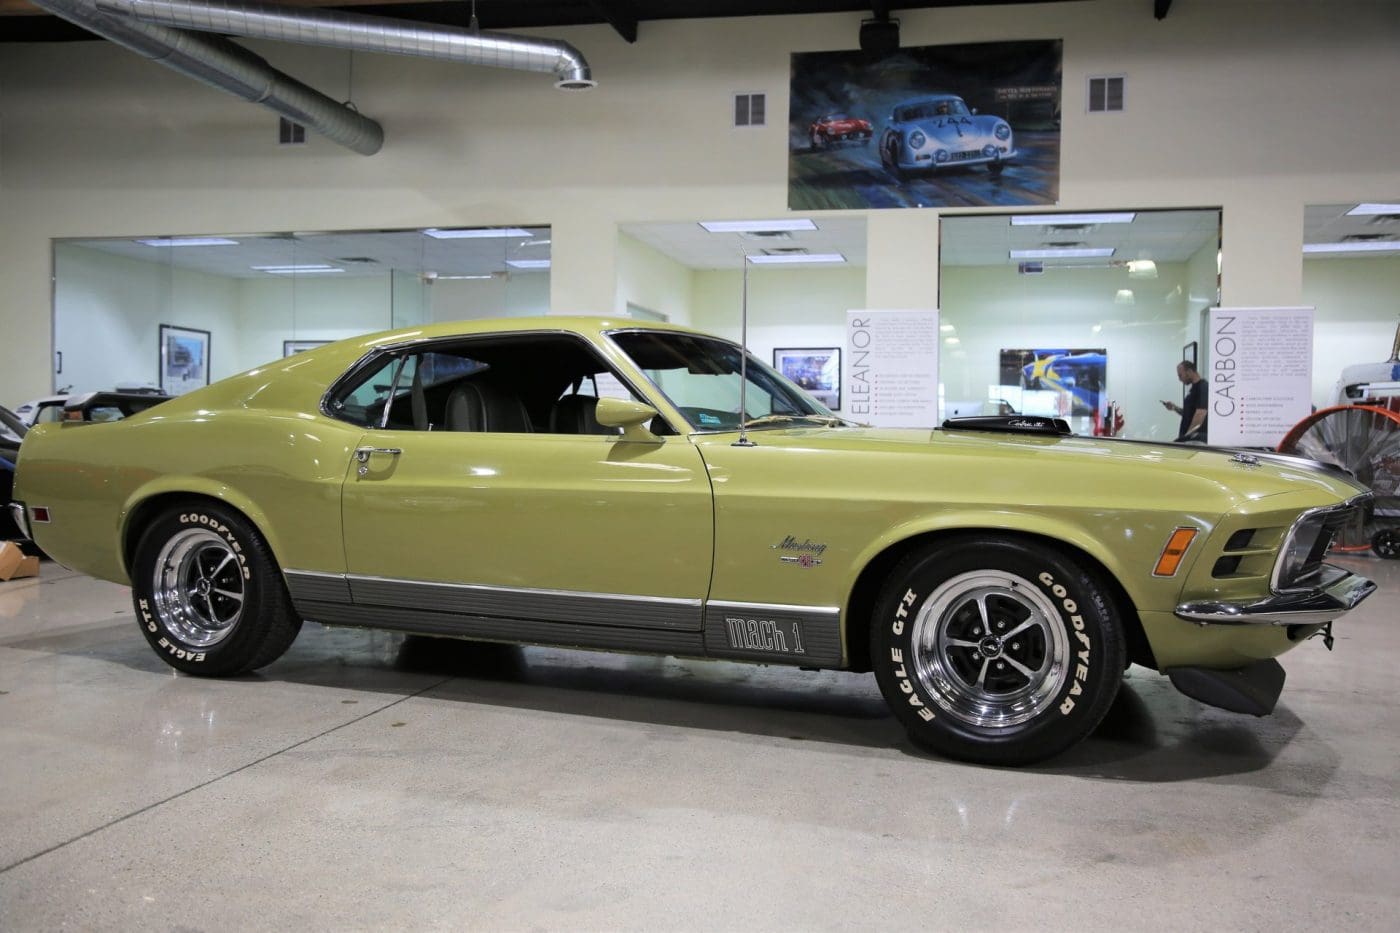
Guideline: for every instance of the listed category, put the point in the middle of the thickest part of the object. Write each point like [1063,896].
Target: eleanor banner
[1259,367]
[892,373]
[930,126]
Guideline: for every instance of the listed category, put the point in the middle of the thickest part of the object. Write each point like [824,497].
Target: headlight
[917,140]
[1299,565]
[1002,131]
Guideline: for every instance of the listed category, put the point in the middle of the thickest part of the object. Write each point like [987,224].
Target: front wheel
[208,594]
[996,649]
[996,168]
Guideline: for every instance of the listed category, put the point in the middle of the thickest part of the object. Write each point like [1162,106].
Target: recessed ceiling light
[757,226]
[796,258]
[947,328]
[1372,246]
[1365,210]
[1078,252]
[1041,220]
[188,241]
[477,233]
[453,278]
[952,341]
[528,263]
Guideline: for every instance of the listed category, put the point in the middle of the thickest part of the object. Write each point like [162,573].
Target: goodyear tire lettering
[1080,674]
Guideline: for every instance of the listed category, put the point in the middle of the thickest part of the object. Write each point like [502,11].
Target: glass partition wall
[178,312]
[1079,316]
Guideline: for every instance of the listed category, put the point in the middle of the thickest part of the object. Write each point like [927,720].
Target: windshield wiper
[823,420]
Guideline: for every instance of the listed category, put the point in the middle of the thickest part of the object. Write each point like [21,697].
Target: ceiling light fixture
[188,241]
[288,270]
[454,278]
[796,258]
[758,226]
[1142,269]
[1043,220]
[1370,246]
[1078,252]
[478,233]
[528,263]
[1366,210]
[947,328]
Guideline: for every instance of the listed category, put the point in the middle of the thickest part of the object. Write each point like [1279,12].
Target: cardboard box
[13,563]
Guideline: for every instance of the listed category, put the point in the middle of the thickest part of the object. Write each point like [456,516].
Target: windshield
[947,107]
[11,428]
[700,376]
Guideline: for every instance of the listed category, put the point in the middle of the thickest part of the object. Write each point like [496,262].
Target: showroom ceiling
[22,22]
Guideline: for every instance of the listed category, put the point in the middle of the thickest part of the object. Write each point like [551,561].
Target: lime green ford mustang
[588,483]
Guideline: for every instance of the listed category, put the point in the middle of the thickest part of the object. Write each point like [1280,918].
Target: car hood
[1181,475]
[957,127]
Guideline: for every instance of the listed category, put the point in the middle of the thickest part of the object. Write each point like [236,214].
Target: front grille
[966,154]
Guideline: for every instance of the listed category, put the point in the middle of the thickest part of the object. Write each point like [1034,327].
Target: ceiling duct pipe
[361,33]
[228,67]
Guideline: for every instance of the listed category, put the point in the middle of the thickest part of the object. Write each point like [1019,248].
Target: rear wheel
[208,594]
[996,650]
[1386,544]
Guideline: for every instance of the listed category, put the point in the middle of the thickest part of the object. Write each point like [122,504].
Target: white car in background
[94,406]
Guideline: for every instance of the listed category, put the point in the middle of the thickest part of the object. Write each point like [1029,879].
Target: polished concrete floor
[371,781]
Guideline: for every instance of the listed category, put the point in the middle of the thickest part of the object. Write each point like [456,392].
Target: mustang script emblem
[809,553]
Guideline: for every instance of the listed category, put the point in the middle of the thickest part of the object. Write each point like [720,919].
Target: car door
[535,527]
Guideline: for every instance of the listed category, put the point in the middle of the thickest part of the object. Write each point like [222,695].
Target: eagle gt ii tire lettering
[208,594]
[996,649]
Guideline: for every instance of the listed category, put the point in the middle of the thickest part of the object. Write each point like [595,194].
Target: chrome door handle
[362,454]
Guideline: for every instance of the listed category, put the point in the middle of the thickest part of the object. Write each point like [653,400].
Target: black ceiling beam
[1160,8]
[620,14]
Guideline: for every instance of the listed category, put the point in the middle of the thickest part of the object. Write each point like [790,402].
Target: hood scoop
[1010,424]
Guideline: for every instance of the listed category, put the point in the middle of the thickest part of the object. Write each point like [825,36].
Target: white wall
[308,307]
[1358,309]
[787,307]
[1237,104]
[995,308]
[109,314]
[517,295]
[652,280]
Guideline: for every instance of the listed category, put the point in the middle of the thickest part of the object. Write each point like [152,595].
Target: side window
[363,404]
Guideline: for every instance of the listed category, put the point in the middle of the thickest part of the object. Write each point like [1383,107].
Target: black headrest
[577,414]
[483,406]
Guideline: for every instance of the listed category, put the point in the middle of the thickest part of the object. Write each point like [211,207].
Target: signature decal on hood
[808,552]
[1247,460]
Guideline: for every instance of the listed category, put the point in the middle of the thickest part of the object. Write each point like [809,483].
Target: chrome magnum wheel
[198,587]
[208,594]
[986,648]
[996,649]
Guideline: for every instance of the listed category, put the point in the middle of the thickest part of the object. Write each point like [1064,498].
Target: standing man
[1193,410]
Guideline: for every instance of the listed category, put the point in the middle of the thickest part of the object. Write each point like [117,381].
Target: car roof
[928,99]
[590,326]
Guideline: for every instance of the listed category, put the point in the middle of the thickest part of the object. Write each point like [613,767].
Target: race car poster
[933,126]
[1061,383]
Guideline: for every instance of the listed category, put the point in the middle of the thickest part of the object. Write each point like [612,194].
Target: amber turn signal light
[1175,550]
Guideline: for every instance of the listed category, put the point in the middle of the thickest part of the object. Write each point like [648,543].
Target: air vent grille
[1106,93]
[289,133]
[750,109]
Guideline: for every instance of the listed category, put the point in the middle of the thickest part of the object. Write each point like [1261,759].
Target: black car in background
[12,432]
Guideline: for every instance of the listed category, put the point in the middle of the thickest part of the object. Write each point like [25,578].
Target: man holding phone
[1194,406]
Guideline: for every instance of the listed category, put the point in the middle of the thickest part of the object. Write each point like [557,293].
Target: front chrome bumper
[18,513]
[1315,607]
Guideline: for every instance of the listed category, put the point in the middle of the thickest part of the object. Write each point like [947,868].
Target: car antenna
[743,440]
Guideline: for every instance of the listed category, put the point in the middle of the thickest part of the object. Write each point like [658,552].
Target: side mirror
[630,416]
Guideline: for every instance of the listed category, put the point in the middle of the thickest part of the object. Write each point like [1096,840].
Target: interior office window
[1079,316]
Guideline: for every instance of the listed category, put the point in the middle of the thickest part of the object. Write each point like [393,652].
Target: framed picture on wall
[818,370]
[184,359]
[1188,353]
[293,347]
